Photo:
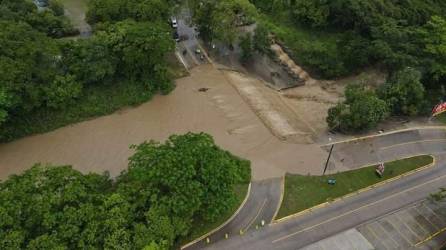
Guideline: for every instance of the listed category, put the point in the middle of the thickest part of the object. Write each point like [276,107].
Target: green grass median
[302,192]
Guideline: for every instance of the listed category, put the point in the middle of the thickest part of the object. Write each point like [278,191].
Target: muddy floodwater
[102,144]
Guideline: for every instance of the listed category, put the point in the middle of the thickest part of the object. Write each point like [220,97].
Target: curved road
[340,216]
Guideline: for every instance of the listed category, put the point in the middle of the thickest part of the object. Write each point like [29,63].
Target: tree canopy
[219,19]
[50,21]
[39,72]
[404,92]
[138,10]
[395,34]
[166,187]
[361,110]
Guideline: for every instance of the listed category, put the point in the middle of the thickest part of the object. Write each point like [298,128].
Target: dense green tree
[314,13]
[361,110]
[141,49]
[28,62]
[217,20]
[119,10]
[57,7]
[404,92]
[434,42]
[52,22]
[166,187]
[50,207]
[62,90]
[199,175]
[371,31]
[91,61]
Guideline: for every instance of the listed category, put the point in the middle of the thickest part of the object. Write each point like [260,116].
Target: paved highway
[340,216]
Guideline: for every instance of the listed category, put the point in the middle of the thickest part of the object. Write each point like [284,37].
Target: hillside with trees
[166,188]
[333,39]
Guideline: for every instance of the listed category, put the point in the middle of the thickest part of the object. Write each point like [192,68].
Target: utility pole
[328,159]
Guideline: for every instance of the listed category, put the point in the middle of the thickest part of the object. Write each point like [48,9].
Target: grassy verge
[199,228]
[302,192]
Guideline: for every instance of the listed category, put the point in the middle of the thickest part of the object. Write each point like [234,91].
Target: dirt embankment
[292,68]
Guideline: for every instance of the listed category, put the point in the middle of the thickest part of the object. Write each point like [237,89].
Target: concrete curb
[282,192]
[222,225]
[430,237]
[386,133]
[379,184]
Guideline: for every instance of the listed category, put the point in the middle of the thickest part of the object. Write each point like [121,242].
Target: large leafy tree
[188,175]
[404,92]
[49,21]
[166,187]
[434,41]
[51,208]
[217,20]
[141,48]
[314,13]
[373,31]
[27,59]
[119,10]
[361,110]
[91,61]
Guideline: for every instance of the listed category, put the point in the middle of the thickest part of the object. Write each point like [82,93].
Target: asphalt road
[187,48]
[353,211]
[262,203]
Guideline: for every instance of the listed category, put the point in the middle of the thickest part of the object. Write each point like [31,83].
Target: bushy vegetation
[166,188]
[43,75]
[336,38]
[219,20]
[50,21]
[402,95]
[396,34]
[361,110]
[109,11]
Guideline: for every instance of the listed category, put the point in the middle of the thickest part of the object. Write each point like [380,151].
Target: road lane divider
[257,215]
[430,237]
[355,193]
[282,191]
[222,225]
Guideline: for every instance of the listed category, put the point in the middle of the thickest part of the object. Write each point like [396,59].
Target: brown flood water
[103,143]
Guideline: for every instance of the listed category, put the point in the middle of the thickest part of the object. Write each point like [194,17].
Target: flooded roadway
[102,144]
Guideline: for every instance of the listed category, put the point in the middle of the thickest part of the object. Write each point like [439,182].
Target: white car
[174,22]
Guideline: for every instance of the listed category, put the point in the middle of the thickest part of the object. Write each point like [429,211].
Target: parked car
[41,3]
[174,22]
[176,37]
